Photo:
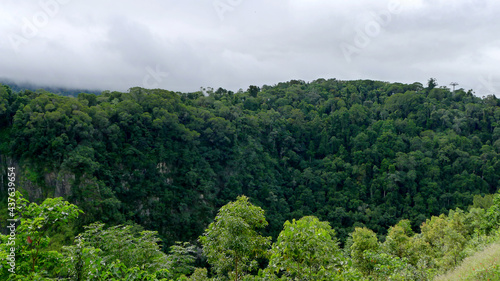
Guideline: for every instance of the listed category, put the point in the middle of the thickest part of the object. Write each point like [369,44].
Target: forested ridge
[351,153]
[354,153]
[63,91]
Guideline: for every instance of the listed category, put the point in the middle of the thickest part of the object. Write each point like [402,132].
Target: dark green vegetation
[306,249]
[353,153]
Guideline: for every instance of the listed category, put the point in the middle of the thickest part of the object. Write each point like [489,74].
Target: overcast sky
[185,45]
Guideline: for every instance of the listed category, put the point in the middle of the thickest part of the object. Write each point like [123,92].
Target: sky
[185,45]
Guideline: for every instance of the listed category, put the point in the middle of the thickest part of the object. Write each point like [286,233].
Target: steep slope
[354,153]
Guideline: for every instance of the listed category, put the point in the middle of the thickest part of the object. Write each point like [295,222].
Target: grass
[483,265]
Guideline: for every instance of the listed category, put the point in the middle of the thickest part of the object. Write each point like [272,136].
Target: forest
[376,170]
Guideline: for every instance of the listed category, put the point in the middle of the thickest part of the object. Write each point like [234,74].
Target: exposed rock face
[62,182]
[22,180]
[57,184]
[34,191]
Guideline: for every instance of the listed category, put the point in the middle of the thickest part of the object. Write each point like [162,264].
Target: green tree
[200,274]
[431,84]
[447,236]
[6,108]
[180,259]
[493,214]
[364,242]
[253,90]
[306,250]
[125,245]
[231,243]
[33,260]
[398,239]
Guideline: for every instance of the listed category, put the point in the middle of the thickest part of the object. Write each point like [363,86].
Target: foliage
[306,250]
[33,259]
[390,267]
[364,242]
[493,214]
[447,236]
[119,246]
[199,274]
[397,241]
[180,260]
[96,254]
[354,153]
[231,243]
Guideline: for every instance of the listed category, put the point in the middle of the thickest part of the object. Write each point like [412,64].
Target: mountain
[354,153]
[357,154]
[20,86]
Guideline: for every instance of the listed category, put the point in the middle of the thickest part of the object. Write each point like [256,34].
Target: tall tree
[231,243]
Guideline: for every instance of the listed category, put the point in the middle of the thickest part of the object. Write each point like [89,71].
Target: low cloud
[233,44]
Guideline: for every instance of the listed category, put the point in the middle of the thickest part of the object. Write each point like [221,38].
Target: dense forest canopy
[353,153]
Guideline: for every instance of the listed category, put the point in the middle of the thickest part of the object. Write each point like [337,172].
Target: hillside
[355,160]
[354,153]
[22,86]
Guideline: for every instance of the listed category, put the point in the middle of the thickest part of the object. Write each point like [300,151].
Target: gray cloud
[235,43]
